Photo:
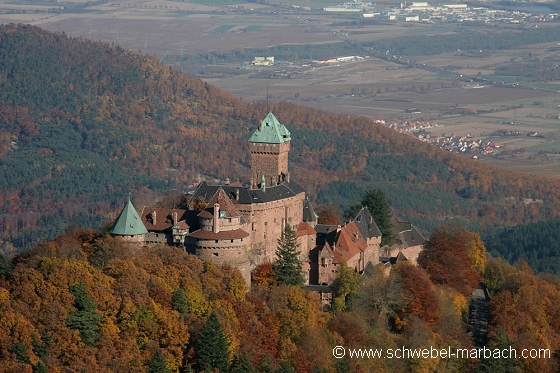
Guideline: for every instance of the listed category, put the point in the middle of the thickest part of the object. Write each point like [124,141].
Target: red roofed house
[164,225]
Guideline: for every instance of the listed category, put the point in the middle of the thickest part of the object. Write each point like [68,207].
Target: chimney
[174,217]
[227,181]
[237,194]
[154,217]
[216,227]
[288,177]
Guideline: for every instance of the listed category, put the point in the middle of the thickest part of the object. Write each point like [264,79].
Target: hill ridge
[96,121]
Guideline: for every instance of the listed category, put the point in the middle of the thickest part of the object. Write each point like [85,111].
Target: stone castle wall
[232,253]
[270,160]
[267,222]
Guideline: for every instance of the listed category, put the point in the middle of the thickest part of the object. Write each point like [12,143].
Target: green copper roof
[271,131]
[129,223]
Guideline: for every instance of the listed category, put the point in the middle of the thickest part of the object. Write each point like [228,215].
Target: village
[463,144]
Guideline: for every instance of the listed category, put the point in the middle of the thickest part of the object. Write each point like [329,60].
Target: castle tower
[221,237]
[129,226]
[269,146]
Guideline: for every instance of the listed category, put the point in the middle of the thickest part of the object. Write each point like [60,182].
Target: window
[215,254]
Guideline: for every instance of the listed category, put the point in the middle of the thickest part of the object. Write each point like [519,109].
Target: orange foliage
[447,258]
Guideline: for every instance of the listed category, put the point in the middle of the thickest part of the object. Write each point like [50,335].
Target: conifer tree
[20,350]
[266,365]
[158,364]
[5,267]
[212,346]
[40,367]
[379,208]
[287,267]
[241,364]
[85,319]
[285,367]
[179,302]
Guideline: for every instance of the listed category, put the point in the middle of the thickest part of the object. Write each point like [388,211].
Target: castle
[240,224]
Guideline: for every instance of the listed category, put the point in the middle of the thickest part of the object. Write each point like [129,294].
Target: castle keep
[240,224]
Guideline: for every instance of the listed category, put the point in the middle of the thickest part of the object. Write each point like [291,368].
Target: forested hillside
[83,123]
[537,243]
[88,302]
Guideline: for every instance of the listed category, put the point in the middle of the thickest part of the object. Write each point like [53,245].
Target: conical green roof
[271,131]
[129,223]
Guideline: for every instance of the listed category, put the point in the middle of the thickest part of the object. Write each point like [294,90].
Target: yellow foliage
[230,323]
[460,301]
[477,253]
[286,349]
[198,304]
[171,333]
[4,295]
[108,327]
[126,315]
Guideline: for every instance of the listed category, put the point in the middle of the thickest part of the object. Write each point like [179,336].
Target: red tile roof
[225,203]
[350,241]
[163,218]
[305,229]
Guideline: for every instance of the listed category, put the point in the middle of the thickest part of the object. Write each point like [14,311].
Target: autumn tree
[448,257]
[345,287]
[329,214]
[212,346]
[287,267]
[263,274]
[418,293]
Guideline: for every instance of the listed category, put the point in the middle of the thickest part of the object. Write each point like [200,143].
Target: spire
[270,131]
[128,223]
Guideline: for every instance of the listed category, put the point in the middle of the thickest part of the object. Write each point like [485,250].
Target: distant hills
[84,123]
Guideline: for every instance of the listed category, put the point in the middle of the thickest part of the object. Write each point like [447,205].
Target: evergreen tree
[241,364]
[343,366]
[5,267]
[20,350]
[266,365]
[179,302]
[287,267]
[40,367]
[38,348]
[212,346]
[285,367]
[158,364]
[379,208]
[85,319]
[318,369]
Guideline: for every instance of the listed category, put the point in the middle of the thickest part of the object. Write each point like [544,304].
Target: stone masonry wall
[267,222]
[270,160]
